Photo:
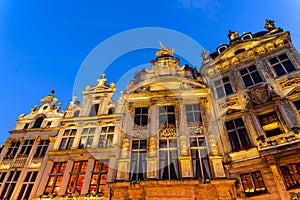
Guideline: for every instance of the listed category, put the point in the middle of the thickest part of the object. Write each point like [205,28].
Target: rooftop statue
[270,25]
[164,51]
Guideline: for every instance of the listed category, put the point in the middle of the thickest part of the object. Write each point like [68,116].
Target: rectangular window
[167,117]
[237,133]
[168,159]
[26,147]
[10,184]
[106,136]
[2,176]
[99,176]
[282,65]
[12,150]
[297,104]
[77,177]
[55,178]
[67,139]
[27,185]
[42,148]
[200,158]
[193,115]
[141,117]
[223,87]
[94,110]
[87,137]
[291,175]
[253,183]
[251,76]
[138,160]
[270,124]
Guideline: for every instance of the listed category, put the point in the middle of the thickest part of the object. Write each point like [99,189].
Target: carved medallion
[259,95]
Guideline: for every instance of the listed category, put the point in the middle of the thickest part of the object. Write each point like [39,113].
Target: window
[106,136]
[270,124]
[76,113]
[26,148]
[223,87]
[282,65]
[200,158]
[12,150]
[167,117]
[38,122]
[77,177]
[141,117]
[48,125]
[68,139]
[87,137]
[10,184]
[99,175]
[297,104]
[253,183]
[138,160]
[237,133]
[168,159]
[193,115]
[2,176]
[42,148]
[250,76]
[27,185]
[55,178]
[94,110]
[291,175]
[26,125]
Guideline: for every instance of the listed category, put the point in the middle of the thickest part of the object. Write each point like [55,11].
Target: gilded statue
[270,25]
[164,51]
[232,35]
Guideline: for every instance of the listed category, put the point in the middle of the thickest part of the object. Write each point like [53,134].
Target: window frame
[67,139]
[98,174]
[12,150]
[250,74]
[28,184]
[170,117]
[292,172]
[141,116]
[26,147]
[78,174]
[57,173]
[280,62]
[87,137]
[193,112]
[10,183]
[138,170]
[42,148]
[222,85]
[107,135]
[259,191]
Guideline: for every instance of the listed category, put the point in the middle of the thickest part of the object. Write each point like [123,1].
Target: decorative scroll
[167,132]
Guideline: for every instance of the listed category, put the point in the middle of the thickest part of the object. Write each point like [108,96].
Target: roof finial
[232,35]
[270,25]
[52,92]
[164,51]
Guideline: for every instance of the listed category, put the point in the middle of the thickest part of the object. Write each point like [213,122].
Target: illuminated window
[26,148]
[251,76]
[10,184]
[282,65]
[77,177]
[38,122]
[106,136]
[141,117]
[87,137]
[167,117]
[12,150]
[42,148]
[138,160]
[297,104]
[99,175]
[270,124]
[27,185]
[223,87]
[199,157]
[253,183]
[94,110]
[168,158]
[67,139]
[291,175]
[237,133]
[193,115]
[55,178]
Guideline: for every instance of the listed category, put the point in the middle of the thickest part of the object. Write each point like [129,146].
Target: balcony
[279,143]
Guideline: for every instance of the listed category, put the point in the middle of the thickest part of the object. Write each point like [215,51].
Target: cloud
[207,7]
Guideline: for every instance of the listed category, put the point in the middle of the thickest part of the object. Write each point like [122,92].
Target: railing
[279,140]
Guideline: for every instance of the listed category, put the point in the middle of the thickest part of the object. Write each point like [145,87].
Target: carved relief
[212,142]
[183,145]
[125,148]
[152,146]
[259,95]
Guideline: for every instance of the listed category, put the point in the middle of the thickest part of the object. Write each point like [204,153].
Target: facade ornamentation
[168,132]
[259,94]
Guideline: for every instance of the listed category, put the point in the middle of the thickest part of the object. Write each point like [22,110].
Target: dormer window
[239,51]
[246,36]
[222,48]
[94,110]
[76,113]
[38,122]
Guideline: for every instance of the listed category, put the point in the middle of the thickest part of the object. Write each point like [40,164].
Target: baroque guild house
[229,131]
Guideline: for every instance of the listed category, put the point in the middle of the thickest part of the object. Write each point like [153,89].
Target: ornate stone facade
[228,132]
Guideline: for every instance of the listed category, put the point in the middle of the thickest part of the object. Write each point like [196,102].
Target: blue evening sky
[43,43]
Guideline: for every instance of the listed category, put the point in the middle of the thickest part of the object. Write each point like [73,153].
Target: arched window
[38,122]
